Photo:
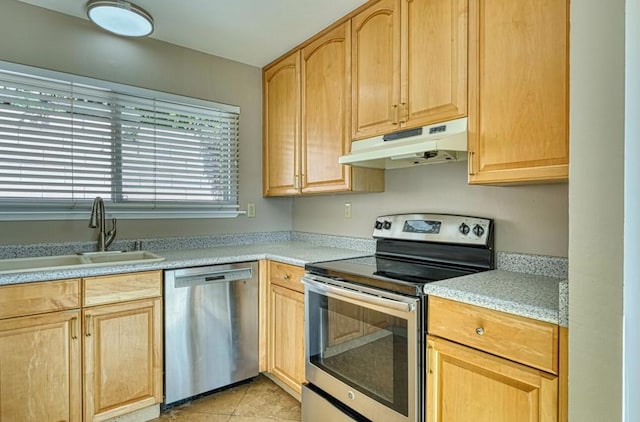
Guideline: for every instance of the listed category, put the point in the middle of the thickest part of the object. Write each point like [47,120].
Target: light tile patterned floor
[258,401]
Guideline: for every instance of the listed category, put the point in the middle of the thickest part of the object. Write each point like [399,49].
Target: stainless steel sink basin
[119,257]
[86,260]
[40,263]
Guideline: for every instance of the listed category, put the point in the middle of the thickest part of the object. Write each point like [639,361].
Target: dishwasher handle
[220,276]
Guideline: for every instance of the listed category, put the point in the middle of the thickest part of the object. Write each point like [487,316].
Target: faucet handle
[111,234]
[113,226]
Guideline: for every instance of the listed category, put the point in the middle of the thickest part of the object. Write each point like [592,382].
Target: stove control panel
[444,228]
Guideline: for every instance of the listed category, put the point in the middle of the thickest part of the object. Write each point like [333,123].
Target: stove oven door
[363,348]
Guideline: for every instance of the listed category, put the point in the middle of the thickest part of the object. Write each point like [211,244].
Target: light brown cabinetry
[489,366]
[40,352]
[464,384]
[122,344]
[307,106]
[281,127]
[40,368]
[409,65]
[286,324]
[518,91]
[56,358]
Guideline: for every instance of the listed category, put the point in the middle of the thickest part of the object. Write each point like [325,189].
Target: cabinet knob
[479,331]
[286,276]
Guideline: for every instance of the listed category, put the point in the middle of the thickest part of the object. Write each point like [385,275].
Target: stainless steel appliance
[211,328]
[365,318]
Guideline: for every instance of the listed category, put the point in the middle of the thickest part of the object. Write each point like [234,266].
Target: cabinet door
[434,61]
[281,127]
[464,385]
[518,91]
[287,336]
[375,69]
[326,111]
[40,368]
[122,357]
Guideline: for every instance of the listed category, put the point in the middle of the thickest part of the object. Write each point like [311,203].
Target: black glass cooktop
[398,275]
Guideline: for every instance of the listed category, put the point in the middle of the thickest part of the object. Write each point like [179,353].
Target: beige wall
[38,37]
[531,219]
[631,366]
[596,210]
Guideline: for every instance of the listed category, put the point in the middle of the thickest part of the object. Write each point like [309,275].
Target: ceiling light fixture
[120,17]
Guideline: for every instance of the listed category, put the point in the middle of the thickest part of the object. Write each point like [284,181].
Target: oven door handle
[322,288]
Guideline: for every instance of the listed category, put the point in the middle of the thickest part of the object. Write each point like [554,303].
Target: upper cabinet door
[281,127]
[518,91]
[326,111]
[376,69]
[409,65]
[434,61]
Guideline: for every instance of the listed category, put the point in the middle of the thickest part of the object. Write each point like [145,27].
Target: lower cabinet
[40,368]
[287,329]
[490,366]
[286,324]
[122,358]
[465,384]
[59,355]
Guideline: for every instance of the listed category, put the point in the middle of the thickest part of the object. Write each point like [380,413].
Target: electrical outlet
[251,210]
[347,210]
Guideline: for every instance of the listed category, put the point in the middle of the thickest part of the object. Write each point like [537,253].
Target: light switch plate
[347,210]
[251,210]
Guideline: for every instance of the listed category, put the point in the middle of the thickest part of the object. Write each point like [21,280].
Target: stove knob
[378,225]
[386,225]
[478,230]
[464,229]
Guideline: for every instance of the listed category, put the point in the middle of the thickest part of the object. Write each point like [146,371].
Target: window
[65,140]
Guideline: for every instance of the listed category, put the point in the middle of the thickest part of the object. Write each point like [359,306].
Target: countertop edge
[301,252]
[509,292]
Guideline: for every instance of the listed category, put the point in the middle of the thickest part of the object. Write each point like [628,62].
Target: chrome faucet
[97,221]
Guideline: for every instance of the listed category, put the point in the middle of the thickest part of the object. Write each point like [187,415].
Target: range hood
[437,143]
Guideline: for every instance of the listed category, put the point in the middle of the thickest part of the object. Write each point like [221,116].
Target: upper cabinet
[307,107]
[409,65]
[326,104]
[281,127]
[518,91]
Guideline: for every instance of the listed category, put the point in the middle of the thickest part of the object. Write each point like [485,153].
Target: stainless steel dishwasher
[211,328]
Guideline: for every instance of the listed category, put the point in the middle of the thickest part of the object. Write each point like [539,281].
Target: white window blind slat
[63,143]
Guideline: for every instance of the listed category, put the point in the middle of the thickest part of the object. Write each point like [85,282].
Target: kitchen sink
[84,260]
[123,257]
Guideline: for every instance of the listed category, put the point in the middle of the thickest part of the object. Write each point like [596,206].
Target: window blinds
[62,143]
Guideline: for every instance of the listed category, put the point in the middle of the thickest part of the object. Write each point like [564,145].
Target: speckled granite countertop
[291,252]
[529,285]
[539,297]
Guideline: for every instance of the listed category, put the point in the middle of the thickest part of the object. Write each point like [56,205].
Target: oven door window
[364,348]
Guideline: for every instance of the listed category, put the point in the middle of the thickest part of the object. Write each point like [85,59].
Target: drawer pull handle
[286,276]
[479,331]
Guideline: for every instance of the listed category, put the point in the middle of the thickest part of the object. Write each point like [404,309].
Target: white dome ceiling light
[120,17]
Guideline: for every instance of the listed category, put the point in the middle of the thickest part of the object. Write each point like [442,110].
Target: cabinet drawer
[286,275]
[121,287]
[37,298]
[530,342]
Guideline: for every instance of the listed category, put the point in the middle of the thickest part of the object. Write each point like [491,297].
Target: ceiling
[248,31]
